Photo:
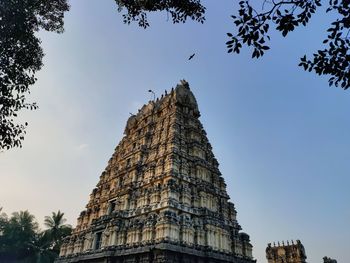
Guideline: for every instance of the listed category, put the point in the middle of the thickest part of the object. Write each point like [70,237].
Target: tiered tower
[286,253]
[161,197]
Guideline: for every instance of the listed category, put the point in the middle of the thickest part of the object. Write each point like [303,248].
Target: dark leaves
[21,57]
[334,59]
[253,27]
[179,11]
[22,241]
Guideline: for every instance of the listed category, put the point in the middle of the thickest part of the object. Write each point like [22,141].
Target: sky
[279,133]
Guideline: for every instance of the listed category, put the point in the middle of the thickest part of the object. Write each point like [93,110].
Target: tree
[21,57]
[22,241]
[57,229]
[21,54]
[18,235]
[43,251]
[179,10]
[252,25]
[3,220]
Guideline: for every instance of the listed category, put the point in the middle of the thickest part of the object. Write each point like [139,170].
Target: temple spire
[161,196]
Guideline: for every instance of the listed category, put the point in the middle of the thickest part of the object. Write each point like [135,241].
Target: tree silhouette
[18,235]
[252,24]
[22,241]
[56,229]
[179,11]
[21,57]
[21,54]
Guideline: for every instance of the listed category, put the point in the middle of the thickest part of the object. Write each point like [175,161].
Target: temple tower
[161,197]
[286,253]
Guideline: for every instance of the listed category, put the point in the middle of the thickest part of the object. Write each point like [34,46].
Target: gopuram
[161,197]
[286,253]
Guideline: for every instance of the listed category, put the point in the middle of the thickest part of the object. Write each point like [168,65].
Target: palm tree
[22,241]
[42,247]
[3,221]
[18,235]
[57,229]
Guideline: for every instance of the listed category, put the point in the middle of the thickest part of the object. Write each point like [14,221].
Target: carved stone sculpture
[161,197]
[290,253]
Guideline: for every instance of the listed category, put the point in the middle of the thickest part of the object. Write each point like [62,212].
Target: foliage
[179,10]
[253,25]
[21,54]
[253,30]
[57,229]
[22,241]
[3,221]
[21,57]
[18,236]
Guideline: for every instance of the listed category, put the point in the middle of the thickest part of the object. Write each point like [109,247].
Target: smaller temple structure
[286,253]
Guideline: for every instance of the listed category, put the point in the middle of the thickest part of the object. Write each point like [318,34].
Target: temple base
[161,253]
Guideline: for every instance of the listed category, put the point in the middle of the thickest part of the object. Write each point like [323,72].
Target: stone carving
[286,253]
[161,197]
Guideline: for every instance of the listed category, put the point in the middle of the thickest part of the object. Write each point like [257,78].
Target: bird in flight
[191,56]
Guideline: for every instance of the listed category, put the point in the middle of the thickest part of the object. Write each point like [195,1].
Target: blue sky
[280,134]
